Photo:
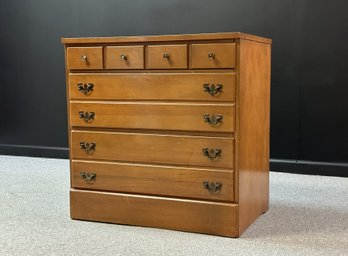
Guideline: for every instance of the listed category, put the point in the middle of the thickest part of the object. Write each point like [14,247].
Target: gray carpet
[308,216]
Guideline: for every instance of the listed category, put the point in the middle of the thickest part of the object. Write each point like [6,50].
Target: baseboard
[277,165]
[34,151]
[309,167]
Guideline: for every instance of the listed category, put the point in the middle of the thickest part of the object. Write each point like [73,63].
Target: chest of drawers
[169,131]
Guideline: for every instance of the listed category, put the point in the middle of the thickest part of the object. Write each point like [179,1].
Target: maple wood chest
[170,131]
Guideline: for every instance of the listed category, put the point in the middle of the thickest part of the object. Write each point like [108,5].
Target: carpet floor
[308,216]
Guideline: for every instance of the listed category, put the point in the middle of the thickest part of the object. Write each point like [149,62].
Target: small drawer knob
[89,177]
[86,116]
[212,154]
[85,88]
[123,57]
[166,56]
[88,147]
[84,57]
[211,56]
[212,89]
[212,186]
[213,120]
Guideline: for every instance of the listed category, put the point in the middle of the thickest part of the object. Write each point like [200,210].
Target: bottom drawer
[152,179]
[159,212]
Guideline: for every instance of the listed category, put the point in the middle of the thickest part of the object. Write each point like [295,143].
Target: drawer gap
[156,164]
[155,195]
[157,132]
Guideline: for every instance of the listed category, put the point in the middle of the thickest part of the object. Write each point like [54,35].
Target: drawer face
[85,57]
[217,55]
[153,86]
[161,116]
[167,56]
[153,148]
[160,212]
[124,57]
[153,180]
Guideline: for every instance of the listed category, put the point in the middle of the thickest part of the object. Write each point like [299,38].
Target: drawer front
[159,212]
[155,180]
[197,87]
[219,55]
[153,148]
[124,57]
[85,57]
[162,116]
[167,56]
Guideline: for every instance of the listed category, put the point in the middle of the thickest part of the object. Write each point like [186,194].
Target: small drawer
[154,180]
[167,56]
[162,116]
[124,57]
[213,87]
[218,55]
[153,148]
[85,57]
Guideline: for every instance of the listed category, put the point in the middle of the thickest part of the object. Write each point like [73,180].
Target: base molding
[277,165]
[34,151]
[309,167]
[207,217]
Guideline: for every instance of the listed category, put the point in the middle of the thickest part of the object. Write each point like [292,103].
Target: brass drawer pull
[89,177]
[86,116]
[86,88]
[212,89]
[212,154]
[212,186]
[88,147]
[166,56]
[211,56]
[84,57]
[123,57]
[213,120]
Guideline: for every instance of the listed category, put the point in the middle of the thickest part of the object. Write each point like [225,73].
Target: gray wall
[309,103]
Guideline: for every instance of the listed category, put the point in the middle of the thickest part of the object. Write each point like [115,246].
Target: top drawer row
[181,56]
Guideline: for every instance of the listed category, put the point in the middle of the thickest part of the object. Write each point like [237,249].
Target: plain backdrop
[309,96]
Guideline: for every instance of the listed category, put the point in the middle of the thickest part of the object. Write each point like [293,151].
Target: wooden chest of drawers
[169,131]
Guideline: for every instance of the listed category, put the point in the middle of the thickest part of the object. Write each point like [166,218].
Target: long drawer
[162,116]
[160,212]
[153,148]
[154,180]
[153,86]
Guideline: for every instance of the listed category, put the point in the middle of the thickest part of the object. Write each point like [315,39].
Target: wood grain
[153,179]
[253,131]
[134,57]
[146,115]
[94,57]
[149,133]
[153,86]
[151,148]
[177,56]
[166,38]
[223,55]
[67,106]
[158,212]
